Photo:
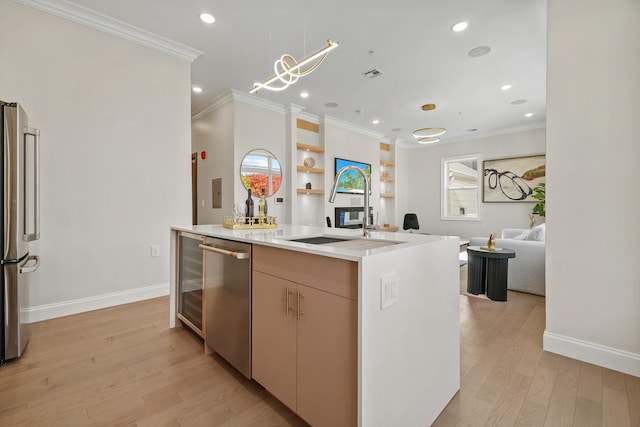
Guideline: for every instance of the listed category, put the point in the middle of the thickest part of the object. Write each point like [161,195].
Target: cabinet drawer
[333,275]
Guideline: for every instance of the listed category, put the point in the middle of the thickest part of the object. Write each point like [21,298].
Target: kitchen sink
[319,240]
[356,243]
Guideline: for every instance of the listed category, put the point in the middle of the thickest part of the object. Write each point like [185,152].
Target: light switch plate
[389,290]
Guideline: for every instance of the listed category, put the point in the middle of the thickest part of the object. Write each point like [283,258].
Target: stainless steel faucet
[366,227]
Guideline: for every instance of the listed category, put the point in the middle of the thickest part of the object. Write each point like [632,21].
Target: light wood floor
[122,366]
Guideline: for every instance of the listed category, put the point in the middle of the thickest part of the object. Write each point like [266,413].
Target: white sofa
[526,270]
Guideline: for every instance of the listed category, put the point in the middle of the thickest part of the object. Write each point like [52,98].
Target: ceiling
[409,41]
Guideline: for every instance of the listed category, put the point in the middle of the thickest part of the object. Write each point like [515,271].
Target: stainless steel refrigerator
[20,223]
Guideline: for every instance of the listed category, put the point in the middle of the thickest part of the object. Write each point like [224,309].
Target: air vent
[372,73]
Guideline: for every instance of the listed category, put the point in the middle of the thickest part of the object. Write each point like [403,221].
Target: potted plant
[539,195]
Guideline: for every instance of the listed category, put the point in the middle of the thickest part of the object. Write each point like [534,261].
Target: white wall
[424,184]
[227,133]
[593,273]
[114,119]
[213,133]
[259,128]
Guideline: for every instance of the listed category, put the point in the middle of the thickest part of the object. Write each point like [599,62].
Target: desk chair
[410,222]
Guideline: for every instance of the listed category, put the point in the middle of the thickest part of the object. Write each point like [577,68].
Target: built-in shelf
[387,179]
[305,191]
[311,148]
[387,196]
[387,163]
[389,228]
[385,147]
[309,170]
[311,127]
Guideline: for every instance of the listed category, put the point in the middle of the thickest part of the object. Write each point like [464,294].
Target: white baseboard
[66,308]
[597,354]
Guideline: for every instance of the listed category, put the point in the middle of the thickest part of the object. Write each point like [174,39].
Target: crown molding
[352,127]
[216,103]
[248,98]
[237,95]
[106,24]
[309,117]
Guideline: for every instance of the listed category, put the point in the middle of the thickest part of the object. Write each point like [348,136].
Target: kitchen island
[400,290]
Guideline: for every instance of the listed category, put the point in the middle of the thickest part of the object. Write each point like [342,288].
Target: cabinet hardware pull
[300,312]
[287,294]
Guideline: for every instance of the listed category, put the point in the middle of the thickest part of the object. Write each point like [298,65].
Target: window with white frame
[461,184]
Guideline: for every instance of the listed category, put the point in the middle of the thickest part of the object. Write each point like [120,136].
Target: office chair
[410,222]
[328,222]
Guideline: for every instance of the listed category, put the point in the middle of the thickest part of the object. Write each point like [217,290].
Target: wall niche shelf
[310,148]
[387,179]
[387,163]
[387,196]
[310,192]
[309,170]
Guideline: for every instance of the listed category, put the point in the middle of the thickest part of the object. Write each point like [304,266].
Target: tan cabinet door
[327,358]
[274,336]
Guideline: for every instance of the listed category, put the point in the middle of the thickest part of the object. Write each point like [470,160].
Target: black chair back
[410,222]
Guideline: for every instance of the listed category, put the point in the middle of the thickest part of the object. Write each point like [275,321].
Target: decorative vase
[309,162]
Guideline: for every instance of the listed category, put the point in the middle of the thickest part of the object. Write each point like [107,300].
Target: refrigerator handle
[36,184]
[34,267]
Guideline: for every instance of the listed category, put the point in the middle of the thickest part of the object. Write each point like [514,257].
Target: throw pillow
[522,236]
[537,233]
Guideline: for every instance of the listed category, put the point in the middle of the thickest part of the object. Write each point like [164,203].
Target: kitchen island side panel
[409,352]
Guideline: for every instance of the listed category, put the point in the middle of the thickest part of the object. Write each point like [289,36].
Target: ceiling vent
[372,73]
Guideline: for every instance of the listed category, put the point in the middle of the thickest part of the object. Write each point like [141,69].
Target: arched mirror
[261,170]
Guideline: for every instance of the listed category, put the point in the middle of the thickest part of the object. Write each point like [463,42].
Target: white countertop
[281,238]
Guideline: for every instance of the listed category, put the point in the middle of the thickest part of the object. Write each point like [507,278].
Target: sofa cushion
[537,233]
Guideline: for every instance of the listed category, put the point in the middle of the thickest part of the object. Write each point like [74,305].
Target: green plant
[539,195]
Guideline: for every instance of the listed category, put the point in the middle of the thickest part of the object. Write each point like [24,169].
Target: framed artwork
[512,179]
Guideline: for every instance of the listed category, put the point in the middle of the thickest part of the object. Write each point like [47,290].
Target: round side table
[487,271]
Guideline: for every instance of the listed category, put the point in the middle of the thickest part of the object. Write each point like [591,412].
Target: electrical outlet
[155,250]
[389,290]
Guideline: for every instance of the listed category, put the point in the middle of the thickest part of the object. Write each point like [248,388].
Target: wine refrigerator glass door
[190,281]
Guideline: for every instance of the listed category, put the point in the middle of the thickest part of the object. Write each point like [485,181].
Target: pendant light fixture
[288,70]
[428,135]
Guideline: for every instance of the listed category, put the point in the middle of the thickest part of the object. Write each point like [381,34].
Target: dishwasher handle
[236,255]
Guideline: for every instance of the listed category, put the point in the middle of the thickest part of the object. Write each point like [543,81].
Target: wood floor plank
[632,386]
[531,414]
[563,398]
[615,408]
[507,408]
[590,383]
[588,413]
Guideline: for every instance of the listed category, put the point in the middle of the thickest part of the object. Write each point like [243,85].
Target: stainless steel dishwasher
[227,288]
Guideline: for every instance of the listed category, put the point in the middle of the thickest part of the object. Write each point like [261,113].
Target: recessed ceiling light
[304,94]
[428,107]
[331,104]
[460,26]
[207,18]
[375,121]
[428,140]
[505,87]
[196,89]
[479,51]
[528,115]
